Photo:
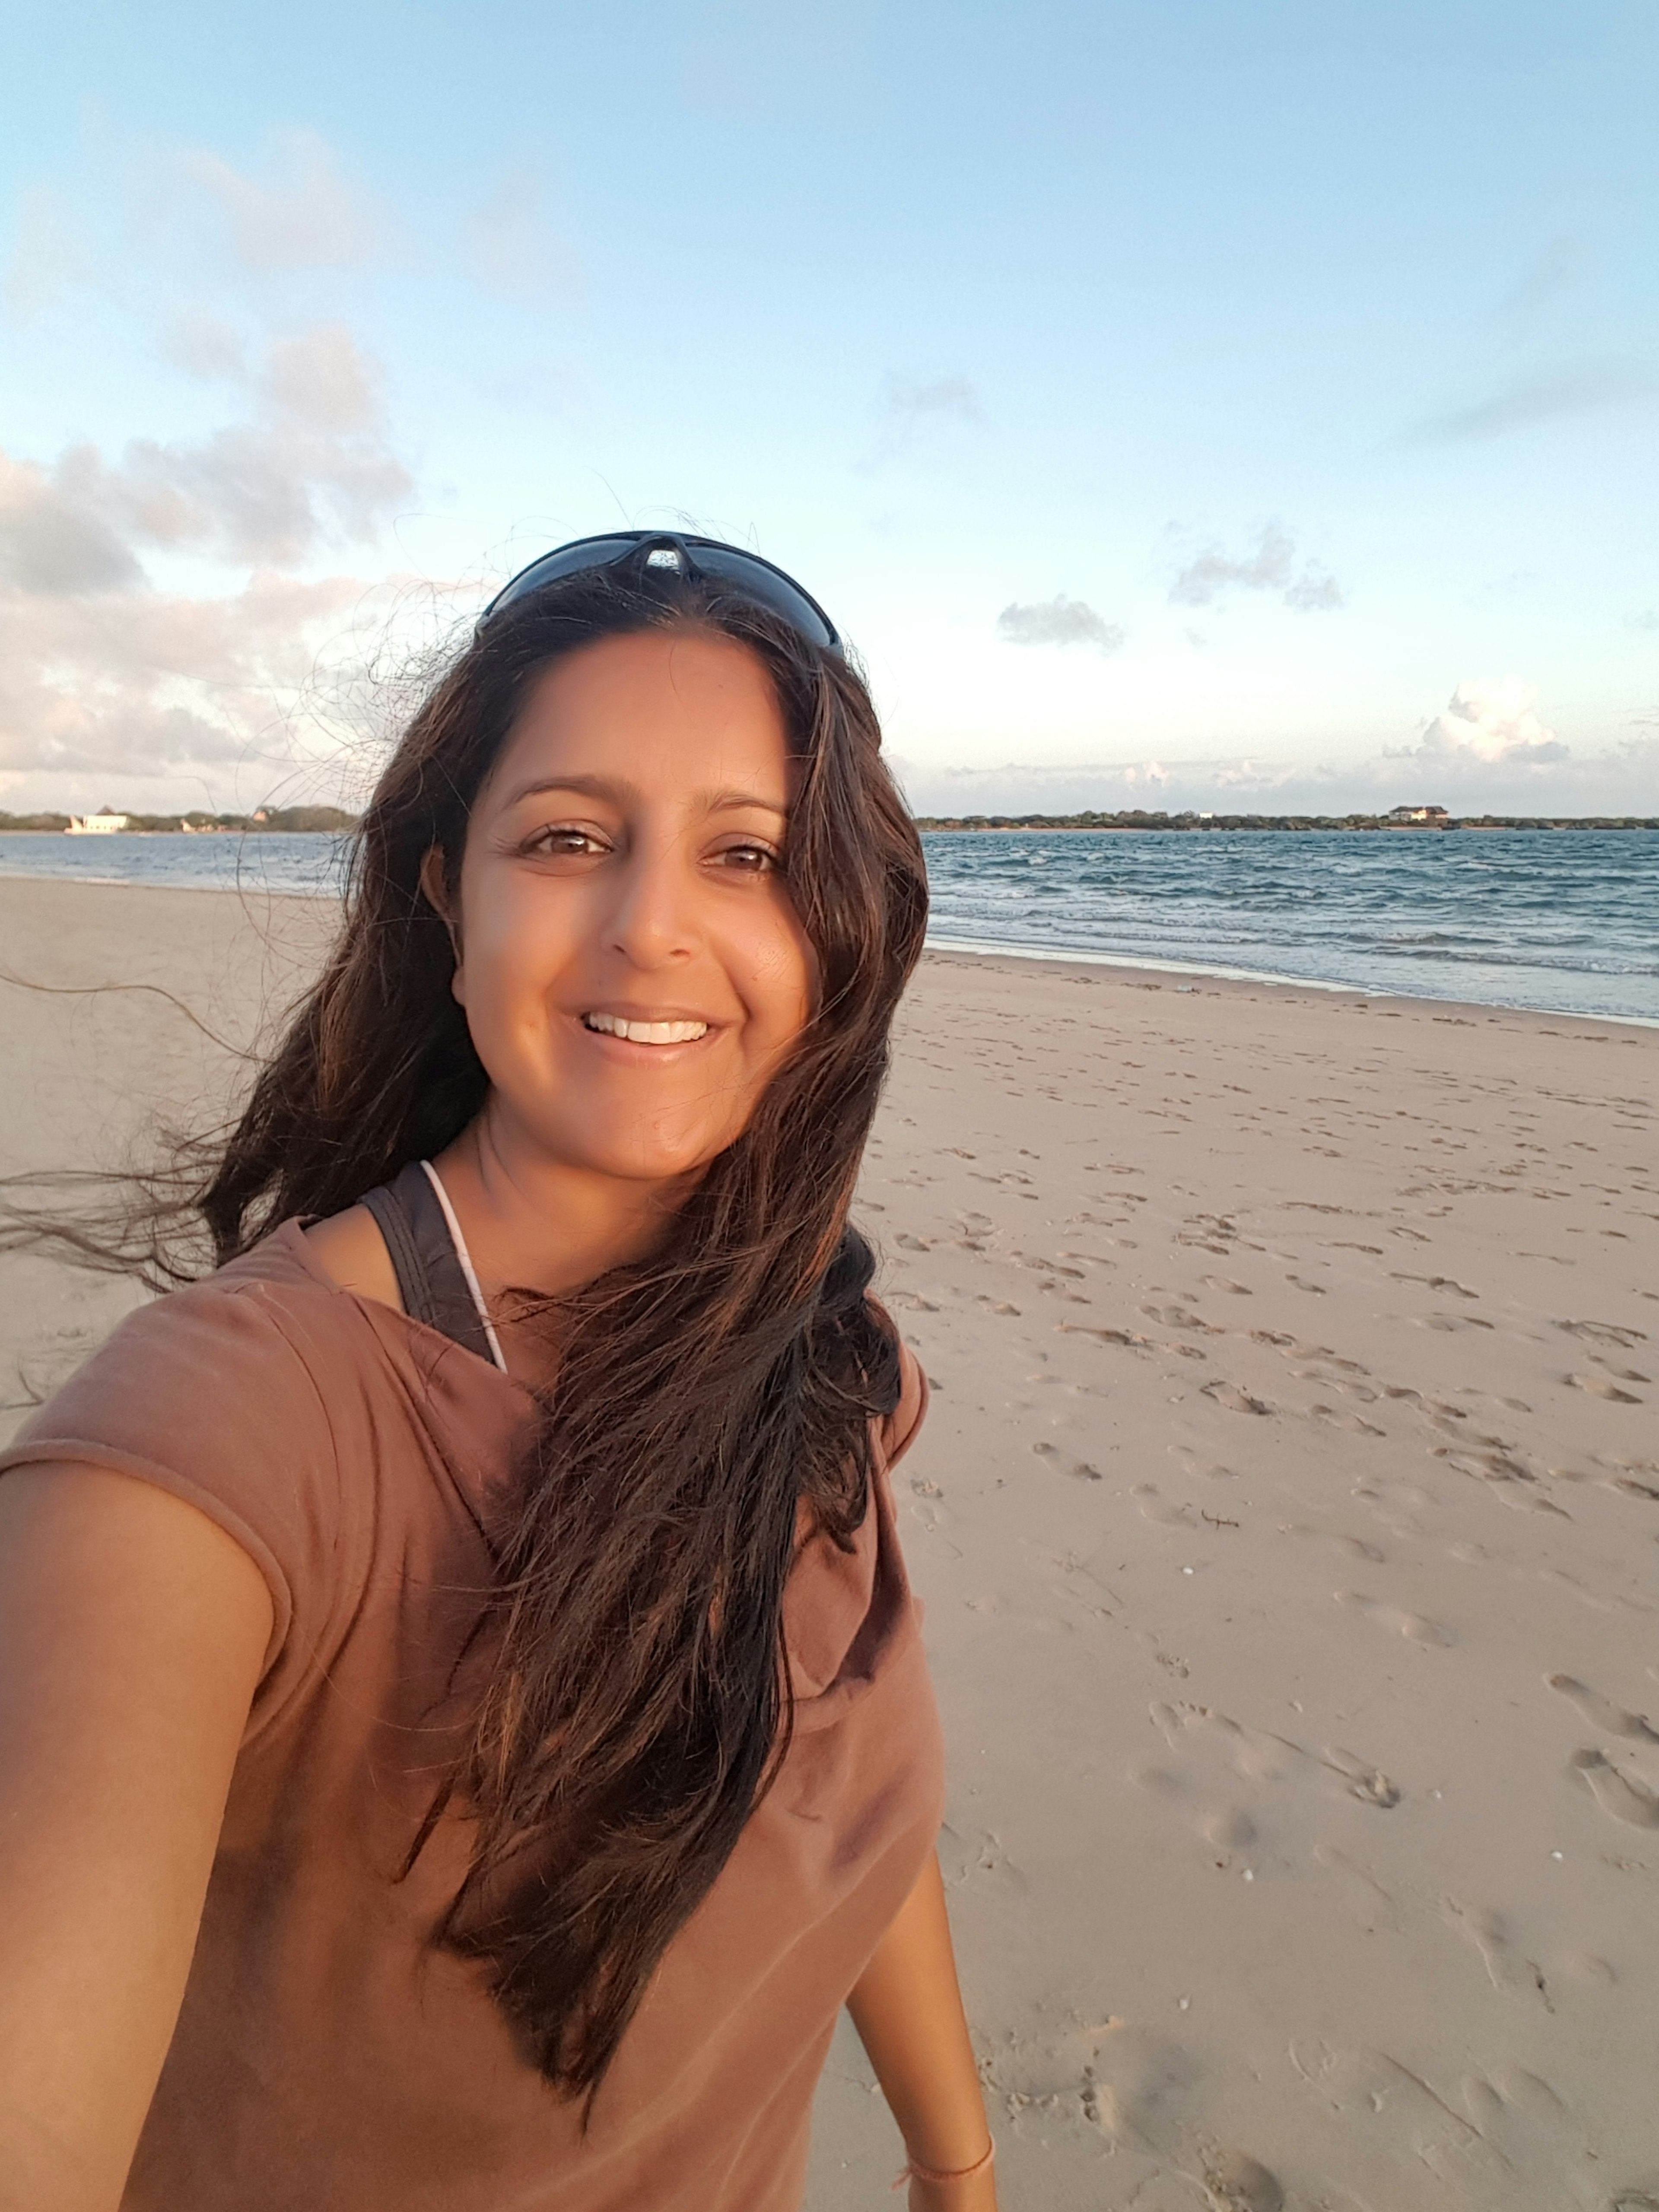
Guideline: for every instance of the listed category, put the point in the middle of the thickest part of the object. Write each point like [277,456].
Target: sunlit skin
[623,860]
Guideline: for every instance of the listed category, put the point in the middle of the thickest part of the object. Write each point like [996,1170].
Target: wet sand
[1287,1519]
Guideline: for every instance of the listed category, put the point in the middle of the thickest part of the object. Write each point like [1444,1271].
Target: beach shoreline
[1016,957]
[1285,1518]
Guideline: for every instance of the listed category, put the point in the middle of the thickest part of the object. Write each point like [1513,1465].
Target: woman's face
[631,966]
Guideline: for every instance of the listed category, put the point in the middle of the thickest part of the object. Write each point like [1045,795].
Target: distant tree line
[1134,818]
[289,820]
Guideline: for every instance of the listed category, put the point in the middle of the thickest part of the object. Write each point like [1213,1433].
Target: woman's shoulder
[217,1392]
[266,1328]
[235,1329]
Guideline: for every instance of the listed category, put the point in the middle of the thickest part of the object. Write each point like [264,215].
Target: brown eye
[563,843]
[750,859]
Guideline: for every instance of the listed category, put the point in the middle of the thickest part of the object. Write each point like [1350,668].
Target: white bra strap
[467,1268]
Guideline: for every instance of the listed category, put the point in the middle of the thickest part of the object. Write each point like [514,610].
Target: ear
[434,889]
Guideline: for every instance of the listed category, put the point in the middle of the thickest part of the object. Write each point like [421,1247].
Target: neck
[533,1222]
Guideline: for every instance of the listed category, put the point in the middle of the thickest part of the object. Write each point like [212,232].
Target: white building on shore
[102,823]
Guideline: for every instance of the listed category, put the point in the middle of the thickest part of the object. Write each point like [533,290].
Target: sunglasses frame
[767,584]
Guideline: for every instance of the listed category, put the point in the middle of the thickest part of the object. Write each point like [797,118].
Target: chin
[648,1160]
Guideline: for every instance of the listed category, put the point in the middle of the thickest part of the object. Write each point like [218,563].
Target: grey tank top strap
[431,1280]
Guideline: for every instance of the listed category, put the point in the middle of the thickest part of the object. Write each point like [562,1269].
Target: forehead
[683,709]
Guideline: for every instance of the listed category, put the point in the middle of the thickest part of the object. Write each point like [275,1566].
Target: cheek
[510,949]
[782,972]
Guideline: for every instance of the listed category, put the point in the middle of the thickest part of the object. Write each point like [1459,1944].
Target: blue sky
[1175,403]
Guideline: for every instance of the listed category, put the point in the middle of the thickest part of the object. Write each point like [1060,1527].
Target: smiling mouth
[645,1032]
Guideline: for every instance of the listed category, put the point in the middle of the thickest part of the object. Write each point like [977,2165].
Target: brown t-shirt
[326,2058]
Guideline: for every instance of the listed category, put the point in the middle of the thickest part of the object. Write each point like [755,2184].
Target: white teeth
[646,1032]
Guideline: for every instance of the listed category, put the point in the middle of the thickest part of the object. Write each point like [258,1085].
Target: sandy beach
[1286,1519]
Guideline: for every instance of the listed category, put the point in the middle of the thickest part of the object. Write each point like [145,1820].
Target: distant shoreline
[330,822]
[980,824]
[280,821]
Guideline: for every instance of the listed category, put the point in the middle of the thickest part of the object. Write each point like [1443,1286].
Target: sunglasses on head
[757,579]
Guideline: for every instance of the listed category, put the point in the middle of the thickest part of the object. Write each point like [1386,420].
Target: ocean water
[1563,921]
[1566,921]
[215,860]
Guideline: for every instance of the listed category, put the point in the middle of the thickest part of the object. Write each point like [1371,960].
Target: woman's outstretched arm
[908,2010]
[132,1635]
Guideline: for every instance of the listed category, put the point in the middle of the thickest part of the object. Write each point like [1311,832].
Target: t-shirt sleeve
[205,1394]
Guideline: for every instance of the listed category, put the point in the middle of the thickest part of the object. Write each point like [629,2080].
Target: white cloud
[1058,621]
[103,669]
[54,539]
[911,410]
[204,346]
[1586,388]
[304,214]
[320,380]
[952,397]
[1488,752]
[1205,580]
[140,682]
[311,468]
[1623,781]
[1491,721]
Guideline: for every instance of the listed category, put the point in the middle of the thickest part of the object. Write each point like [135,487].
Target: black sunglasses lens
[564,561]
[757,579]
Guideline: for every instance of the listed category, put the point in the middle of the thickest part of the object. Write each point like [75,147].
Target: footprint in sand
[1603,1713]
[1602,1386]
[1235,2182]
[1234,1399]
[1127,1337]
[1369,1783]
[1603,1332]
[1161,1510]
[1259,1755]
[1179,1317]
[1416,1627]
[1513,1481]
[1618,1794]
[1506,1969]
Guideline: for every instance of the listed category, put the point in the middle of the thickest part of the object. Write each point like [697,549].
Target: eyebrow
[601,787]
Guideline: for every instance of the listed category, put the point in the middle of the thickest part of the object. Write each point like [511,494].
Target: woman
[463,1730]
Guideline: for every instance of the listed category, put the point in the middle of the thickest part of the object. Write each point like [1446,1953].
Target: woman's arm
[132,1635]
[908,2010]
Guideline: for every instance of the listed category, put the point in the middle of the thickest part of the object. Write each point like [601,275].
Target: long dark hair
[638,1695]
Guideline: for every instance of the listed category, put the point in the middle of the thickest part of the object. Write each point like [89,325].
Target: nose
[651,921]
